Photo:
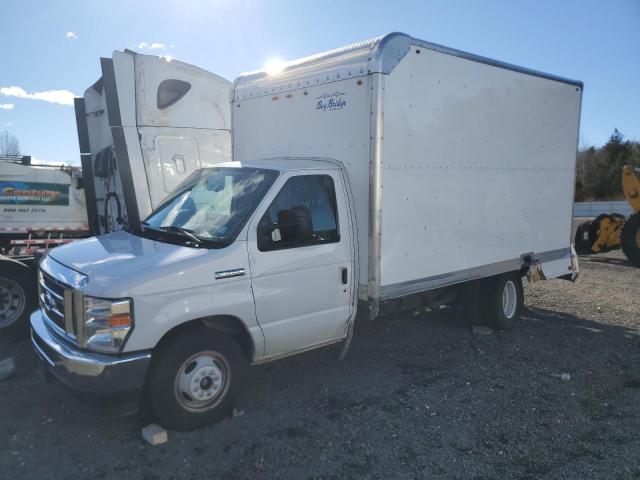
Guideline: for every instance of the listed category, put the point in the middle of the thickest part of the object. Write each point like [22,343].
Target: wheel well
[226,324]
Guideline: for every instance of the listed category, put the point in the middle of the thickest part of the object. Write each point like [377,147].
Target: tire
[18,299]
[195,379]
[630,239]
[502,300]
[582,238]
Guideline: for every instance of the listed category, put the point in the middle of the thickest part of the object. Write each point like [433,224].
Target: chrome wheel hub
[202,381]
[12,302]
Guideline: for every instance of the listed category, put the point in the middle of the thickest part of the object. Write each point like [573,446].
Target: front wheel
[502,300]
[195,378]
[17,298]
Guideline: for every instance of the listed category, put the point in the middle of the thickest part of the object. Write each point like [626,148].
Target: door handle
[345,274]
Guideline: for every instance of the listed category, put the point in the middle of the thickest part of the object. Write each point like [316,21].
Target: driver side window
[303,213]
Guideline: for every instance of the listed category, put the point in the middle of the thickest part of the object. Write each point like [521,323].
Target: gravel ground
[419,396]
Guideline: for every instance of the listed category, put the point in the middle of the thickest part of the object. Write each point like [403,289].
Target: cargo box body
[461,167]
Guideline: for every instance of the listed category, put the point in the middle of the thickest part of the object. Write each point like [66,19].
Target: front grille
[56,303]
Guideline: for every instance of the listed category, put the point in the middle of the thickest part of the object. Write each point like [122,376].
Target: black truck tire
[630,239]
[582,238]
[18,298]
[195,379]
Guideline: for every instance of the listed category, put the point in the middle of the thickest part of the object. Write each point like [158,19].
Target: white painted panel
[556,268]
[299,297]
[313,122]
[138,171]
[195,129]
[192,133]
[166,149]
[205,105]
[123,67]
[478,165]
[171,284]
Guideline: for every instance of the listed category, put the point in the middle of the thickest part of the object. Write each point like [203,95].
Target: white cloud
[61,97]
[154,46]
[6,106]
[72,35]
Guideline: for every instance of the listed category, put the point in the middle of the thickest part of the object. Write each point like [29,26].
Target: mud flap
[575,265]
[347,342]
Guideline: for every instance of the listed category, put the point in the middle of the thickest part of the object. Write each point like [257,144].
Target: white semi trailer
[139,138]
[388,172]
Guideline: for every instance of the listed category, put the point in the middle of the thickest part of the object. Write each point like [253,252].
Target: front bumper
[86,372]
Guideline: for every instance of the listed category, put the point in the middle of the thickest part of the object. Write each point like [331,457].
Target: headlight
[106,323]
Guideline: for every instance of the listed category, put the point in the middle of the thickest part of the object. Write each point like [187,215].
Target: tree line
[599,170]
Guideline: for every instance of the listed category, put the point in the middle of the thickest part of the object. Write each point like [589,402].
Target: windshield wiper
[185,232]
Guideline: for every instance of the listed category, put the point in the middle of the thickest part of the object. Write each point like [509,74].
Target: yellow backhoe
[607,232]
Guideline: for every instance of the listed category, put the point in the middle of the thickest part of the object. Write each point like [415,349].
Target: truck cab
[242,264]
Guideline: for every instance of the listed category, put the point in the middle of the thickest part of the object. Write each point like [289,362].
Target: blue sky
[48,46]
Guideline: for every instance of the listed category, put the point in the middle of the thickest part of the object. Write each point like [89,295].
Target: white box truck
[393,171]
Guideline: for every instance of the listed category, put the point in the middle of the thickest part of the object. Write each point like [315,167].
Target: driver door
[300,252]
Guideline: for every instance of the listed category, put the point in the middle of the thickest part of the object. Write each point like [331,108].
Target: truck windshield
[211,206]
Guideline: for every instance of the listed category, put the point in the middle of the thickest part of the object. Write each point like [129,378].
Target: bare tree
[9,144]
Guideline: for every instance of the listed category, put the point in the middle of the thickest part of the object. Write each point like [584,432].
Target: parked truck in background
[143,127]
[41,207]
[138,140]
[389,172]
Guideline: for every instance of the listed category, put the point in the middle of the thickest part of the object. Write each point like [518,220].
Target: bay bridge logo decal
[330,101]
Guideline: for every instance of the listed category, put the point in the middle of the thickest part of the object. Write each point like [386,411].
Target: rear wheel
[17,298]
[502,300]
[196,378]
[630,239]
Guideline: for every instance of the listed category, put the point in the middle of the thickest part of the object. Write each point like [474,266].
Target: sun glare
[274,66]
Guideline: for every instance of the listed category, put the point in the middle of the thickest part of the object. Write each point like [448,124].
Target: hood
[122,264]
